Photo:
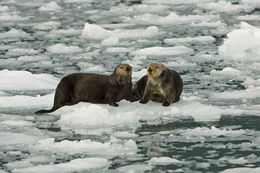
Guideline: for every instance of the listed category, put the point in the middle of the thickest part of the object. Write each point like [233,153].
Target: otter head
[123,70]
[122,74]
[155,69]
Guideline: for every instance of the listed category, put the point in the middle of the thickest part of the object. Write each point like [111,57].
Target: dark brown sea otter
[94,88]
[160,84]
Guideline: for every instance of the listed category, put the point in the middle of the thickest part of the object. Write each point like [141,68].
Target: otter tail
[46,111]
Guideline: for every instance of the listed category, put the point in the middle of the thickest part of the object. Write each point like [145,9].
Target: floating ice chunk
[78,1]
[171,19]
[63,32]
[242,43]
[76,165]
[21,101]
[136,61]
[61,48]
[21,51]
[18,164]
[10,80]
[95,32]
[204,39]
[97,116]
[208,24]
[249,82]
[227,7]
[136,168]
[156,51]
[3,8]
[242,170]
[175,2]
[16,123]
[227,72]
[181,63]
[45,26]
[33,58]
[111,41]
[118,50]
[51,6]
[17,139]
[232,160]
[249,93]
[138,74]
[124,135]
[254,3]
[163,161]
[13,33]
[88,67]
[249,18]
[5,17]
[107,149]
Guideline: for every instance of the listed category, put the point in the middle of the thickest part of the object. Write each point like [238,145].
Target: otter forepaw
[143,101]
[113,104]
[166,104]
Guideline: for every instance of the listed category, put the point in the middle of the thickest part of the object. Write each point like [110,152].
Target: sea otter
[94,88]
[160,84]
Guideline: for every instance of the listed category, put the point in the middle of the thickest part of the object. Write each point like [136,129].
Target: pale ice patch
[8,138]
[11,80]
[118,50]
[135,168]
[61,48]
[4,8]
[136,62]
[17,123]
[220,25]
[5,17]
[78,1]
[254,3]
[89,67]
[163,161]
[13,33]
[249,93]
[242,44]
[227,72]
[137,75]
[33,58]
[242,170]
[107,149]
[181,63]
[95,32]
[21,51]
[63,33]
[249,18]
[175,2]
[124,135]
[111,41]
[51,6]
[156,51]
[227,7]
[171,19]
[45,26]
[250,82]
[76,165]
[22,101]
[200,39]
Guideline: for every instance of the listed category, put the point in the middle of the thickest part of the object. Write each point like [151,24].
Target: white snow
[33,58]
[242,43]
[3,8]
[254,3]
[45,26]
[11,80]
[227,7]
[16,123]
[242,170]
[21,51]
[227,72]
[200,39]
[95,32]
[249,18]
[76,165]
[61,48]
[175,2]
[13,33]
[107,149]
[118,50]
[163,161]
[111,41]
[8,138]
[156,51]
[51,6]
[89,67]
[135,168]
[5,17]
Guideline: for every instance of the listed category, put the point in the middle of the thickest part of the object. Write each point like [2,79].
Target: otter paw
[113,104]
[143,101]
[166,104]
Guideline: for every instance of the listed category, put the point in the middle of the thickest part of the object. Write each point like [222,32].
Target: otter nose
[128,69]
[150,70]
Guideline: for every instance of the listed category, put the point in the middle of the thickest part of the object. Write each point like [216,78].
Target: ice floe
[51,6]
[61,48]
[14,33]
[45,26]
[92,31]
[11,80]
[176,2]
[242,43]
[5,17]
[155,51]
[163,161]
[21,51]
[200,39]
[242,170]
[76,165]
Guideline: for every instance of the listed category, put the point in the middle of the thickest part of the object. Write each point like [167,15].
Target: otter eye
[121,67]
[156,67]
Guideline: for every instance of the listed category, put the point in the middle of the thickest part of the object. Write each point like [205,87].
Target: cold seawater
[214,45]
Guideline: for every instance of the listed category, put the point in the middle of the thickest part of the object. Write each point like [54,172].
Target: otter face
[124,69]
[155,69]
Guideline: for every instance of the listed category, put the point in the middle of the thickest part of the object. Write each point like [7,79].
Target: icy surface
[214,45]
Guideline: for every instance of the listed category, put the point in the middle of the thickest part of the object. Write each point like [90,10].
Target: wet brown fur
[160,84]
[94,88]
